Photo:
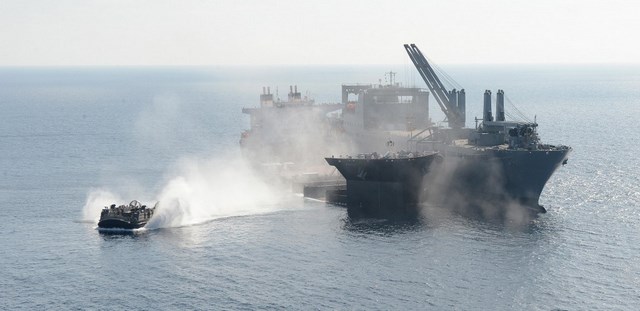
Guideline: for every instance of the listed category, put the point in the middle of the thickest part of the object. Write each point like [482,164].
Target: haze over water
[70,137]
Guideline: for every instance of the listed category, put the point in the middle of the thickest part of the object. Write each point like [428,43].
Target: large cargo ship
[294,131]
[498,162]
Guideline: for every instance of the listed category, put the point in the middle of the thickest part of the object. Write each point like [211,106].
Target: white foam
[96,200]
[200,191]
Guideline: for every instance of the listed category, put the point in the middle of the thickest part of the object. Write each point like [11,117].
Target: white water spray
[211,189]
[200,191]
[96,200]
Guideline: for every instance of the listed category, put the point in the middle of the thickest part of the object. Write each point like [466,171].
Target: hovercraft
[132,216]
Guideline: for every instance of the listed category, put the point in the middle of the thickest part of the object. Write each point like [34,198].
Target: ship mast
[450,103]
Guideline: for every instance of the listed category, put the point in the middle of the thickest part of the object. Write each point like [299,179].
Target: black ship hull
[494,179]
[120,223]
[384,187]
[475,176]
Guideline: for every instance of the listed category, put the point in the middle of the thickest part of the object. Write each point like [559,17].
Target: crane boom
[454,115]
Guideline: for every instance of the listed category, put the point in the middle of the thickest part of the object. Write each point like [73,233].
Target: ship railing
[418,138]
[420,133]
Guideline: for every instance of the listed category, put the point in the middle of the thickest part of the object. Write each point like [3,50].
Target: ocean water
[73,139]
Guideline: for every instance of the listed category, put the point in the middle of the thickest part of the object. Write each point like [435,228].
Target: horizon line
[307,65]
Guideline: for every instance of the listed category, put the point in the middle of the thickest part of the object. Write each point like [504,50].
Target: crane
[451,103]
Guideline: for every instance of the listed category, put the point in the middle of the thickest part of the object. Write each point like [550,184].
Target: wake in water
[200,191]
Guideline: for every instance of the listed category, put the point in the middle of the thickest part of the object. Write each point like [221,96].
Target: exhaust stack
[266,98]
[500,106]
[487,116]
[458,100]
[453,97]
[462,106]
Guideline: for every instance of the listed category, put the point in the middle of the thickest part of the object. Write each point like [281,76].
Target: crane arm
[436,87]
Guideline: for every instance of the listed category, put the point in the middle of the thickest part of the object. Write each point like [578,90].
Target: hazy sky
[271,32]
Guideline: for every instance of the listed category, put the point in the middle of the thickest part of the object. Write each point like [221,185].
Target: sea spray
[197,191]
[208,189]
[96,200]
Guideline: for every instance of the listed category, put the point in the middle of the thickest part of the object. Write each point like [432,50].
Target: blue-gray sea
[73,138]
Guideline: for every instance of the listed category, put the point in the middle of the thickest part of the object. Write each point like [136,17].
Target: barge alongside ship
[389,185]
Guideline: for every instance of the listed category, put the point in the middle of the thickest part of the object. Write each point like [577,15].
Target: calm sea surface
[71,139]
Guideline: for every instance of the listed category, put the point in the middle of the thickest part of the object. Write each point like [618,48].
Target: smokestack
[500,105]
[453,97]
[268,90]
[462,105]
[266,99]
[290,88]
[487,106]
[296,89]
